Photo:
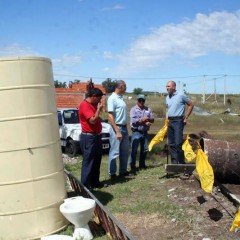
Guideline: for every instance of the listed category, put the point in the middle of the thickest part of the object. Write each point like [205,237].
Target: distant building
[73,96]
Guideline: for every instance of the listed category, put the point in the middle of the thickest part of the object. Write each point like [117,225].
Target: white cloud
[106,69]
[206,34]
[66,64]
[67,60]
[15,50]
[115,7]
[107,55]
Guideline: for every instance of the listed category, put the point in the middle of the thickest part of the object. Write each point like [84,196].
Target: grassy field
[141,196]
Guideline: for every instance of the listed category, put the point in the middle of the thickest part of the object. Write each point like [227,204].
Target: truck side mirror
[59,119]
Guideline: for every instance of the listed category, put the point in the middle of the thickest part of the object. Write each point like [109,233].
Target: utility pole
[215,91]
[203,96]
[225,89]
[179,86]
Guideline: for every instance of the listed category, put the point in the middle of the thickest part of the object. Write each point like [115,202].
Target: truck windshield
[71,116]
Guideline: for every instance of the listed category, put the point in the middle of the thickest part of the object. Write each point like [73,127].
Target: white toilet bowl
[78,211]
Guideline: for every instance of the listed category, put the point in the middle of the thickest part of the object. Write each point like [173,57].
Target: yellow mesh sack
[204,170]
[159,136]
[236,221]
[189,154]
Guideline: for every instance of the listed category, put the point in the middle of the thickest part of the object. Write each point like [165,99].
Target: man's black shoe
[100,185]
[113,177]
[143,167]
[134,171]
[124,174]
[127,174]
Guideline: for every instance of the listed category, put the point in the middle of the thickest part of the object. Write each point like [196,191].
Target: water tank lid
[25,58]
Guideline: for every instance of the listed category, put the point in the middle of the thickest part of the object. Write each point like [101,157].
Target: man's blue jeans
[118,149]
[142,138]
[175,140]
[91,147]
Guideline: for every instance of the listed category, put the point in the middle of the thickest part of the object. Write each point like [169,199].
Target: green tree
[59,84]
[76,81]
[109,85]
[184,88]
[137,91]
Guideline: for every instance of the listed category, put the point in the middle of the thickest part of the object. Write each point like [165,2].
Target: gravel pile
[68,160]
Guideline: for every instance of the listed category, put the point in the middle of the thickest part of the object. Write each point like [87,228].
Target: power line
[217,76]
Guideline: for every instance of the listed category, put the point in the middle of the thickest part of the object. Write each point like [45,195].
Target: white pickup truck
[70,130]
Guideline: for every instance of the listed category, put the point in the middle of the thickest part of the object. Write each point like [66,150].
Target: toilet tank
[32,185]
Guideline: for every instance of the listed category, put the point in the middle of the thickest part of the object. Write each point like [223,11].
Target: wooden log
[180,168]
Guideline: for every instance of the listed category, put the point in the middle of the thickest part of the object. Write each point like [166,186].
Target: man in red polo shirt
[90,138]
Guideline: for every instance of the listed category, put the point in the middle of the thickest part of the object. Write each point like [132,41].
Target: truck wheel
[72,148]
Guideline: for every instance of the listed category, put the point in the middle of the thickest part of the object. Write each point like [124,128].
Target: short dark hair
[95,92]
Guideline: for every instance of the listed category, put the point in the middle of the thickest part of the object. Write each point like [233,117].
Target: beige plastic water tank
[32,184]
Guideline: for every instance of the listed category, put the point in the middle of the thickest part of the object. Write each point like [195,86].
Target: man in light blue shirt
[119,141]
[175,113]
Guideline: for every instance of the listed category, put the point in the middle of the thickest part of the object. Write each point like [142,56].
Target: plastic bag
[236,221]
[204,170]
[159,136]
[189,154]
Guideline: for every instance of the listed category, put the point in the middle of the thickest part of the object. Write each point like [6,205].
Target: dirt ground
[208,216]
[207,219]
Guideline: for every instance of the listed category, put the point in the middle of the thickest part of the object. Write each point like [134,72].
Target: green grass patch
[147,193]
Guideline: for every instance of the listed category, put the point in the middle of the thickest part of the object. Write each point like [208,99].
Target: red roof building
[72,97]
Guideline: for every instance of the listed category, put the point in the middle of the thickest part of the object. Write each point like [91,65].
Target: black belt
[120,125]
[176,118]
[136,130]
[91,134]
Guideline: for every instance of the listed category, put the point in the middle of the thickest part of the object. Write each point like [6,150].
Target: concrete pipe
[224,158]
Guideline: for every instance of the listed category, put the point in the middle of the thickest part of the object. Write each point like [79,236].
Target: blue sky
[145,42]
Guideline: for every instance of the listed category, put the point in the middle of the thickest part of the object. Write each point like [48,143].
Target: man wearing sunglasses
[141,118]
